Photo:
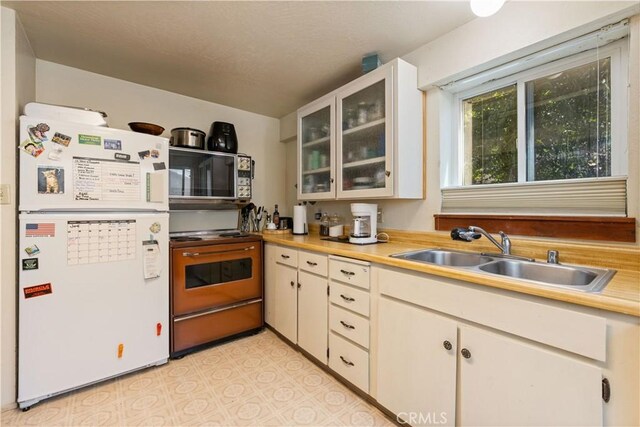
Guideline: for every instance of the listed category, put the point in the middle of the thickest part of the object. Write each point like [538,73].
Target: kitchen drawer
[287,256]
[349,325]
[313,263]
[349,361]
[202,328]
[352,272]
[350,298]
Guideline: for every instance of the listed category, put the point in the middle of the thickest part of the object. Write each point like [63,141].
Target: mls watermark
[422,418]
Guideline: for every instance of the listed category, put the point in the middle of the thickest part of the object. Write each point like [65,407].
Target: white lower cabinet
[286,316]
[506,381]
[312,314]
[296,297]
[501,381]
[416,371]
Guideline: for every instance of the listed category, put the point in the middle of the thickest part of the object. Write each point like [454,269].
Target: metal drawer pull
[216,310]
[347,299]
[193,254]
[346,325]
[312,264]
[285,256]
[347,273]
[346,362]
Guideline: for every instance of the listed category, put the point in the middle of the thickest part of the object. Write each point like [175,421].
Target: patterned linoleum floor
[257,381]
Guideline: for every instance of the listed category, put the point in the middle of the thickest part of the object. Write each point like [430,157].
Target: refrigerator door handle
[195,254]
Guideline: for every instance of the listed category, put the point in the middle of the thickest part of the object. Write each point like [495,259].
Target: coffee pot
[364,224]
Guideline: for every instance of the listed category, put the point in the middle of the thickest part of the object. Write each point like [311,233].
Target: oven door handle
[195,254]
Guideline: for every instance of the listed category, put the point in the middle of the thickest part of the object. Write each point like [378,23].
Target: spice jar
[324,224]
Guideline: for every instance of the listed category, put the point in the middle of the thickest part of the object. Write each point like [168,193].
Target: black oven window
[214,273]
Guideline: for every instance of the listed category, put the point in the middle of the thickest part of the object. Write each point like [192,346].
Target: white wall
[520,28]
[126,102]
[17,71]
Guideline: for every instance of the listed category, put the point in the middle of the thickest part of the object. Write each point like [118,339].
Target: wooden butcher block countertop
[621,295]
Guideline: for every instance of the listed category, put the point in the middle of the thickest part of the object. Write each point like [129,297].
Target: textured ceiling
[266,57]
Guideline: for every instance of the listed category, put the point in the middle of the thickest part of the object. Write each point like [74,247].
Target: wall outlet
[380,217]
[5,194]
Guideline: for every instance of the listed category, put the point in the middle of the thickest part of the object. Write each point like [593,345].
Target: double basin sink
[564,276]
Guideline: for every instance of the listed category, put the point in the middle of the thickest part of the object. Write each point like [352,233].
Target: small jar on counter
[324,224]
[336,226]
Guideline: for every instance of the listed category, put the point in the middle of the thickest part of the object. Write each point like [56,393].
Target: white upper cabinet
[316,150]
[364,140]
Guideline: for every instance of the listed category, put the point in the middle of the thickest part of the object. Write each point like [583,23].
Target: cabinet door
[312,315]
[316,146]
[506,381]
[416,373]
[287,295]
[270,284]
[365,139]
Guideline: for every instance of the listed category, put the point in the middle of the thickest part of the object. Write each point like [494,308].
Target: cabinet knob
[331,180]
[295,185]
[292,283]
[387,173]
[299,285]
[465,353]
[447,345]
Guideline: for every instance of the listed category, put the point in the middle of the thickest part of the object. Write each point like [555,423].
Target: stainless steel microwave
[201,178]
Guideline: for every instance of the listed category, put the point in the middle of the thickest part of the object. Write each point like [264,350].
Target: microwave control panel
[244,177]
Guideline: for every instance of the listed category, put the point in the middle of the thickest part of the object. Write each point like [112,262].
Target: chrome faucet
[472,233]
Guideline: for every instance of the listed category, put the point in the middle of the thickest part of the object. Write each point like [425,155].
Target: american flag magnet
[41,229]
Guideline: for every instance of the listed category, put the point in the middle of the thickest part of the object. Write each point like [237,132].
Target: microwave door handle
[195,254]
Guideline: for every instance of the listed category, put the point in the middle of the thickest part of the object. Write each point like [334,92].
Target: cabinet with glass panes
[374,140]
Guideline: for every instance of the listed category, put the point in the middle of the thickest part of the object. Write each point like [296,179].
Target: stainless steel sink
[585,279]
[445,257]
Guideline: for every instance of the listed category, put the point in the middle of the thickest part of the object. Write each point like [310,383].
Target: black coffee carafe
[223,138]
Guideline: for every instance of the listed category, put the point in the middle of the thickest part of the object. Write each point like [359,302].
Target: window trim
[618,51]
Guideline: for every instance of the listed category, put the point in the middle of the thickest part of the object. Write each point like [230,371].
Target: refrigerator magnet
[155,154]
[32,250]
[155,228]
[159,166]
[37,290]
[144,154]
[89,139]
[122,156]
[30,264]
[151,258]
[112,144]
[38,132]
[50,180]
[62,139]
[40,229]
[30,147]
[56,152]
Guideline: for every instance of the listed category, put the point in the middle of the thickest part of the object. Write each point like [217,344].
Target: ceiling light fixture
[484,8]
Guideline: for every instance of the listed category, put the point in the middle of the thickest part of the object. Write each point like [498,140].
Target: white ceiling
[268,57]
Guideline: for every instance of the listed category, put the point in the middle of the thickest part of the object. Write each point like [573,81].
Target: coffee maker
[364,225]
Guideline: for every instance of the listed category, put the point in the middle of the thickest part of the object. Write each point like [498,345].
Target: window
[549,123]
[546,134]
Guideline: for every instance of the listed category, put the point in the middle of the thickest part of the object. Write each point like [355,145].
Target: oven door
[205,277]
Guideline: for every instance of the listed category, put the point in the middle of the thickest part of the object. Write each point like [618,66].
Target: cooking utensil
[150,128]
[187,138]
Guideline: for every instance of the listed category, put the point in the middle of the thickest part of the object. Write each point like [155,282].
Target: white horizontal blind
[588,197]
[594,40]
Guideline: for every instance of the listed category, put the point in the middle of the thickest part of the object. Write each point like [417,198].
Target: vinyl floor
[256,381]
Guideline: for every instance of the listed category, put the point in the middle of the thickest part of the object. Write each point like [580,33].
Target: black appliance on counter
[223,138]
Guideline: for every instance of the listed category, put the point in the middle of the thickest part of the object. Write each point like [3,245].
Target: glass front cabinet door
[316,144]
[364,139]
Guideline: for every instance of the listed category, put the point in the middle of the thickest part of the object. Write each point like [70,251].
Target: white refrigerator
[93,255]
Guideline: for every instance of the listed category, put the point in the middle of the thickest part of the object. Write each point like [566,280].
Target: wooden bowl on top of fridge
[149,128]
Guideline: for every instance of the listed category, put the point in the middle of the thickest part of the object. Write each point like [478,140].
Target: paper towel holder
[300,226]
